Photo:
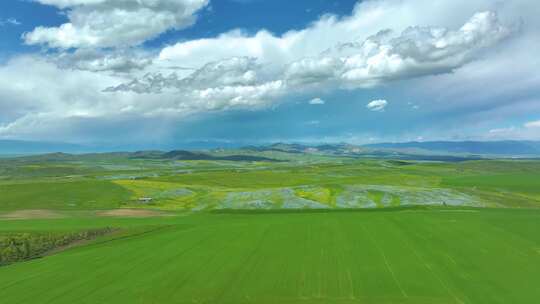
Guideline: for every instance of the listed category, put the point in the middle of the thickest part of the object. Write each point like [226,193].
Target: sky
[153,73]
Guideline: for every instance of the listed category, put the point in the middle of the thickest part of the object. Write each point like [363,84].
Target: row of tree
[15,247]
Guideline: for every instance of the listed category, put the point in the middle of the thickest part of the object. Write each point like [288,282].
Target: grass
[428,255]
[79,194]
[523,183]
[322,195]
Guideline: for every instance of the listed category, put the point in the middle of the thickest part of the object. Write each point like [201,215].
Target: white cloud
[502,130]
[377,105]
[368,18]
[9,21]
[43,101]
[317,101]
[96,61]
[114,23]
[383,57]
[532,124]
[235,73]
[514,133]
[70,3]
[237,69]
[227,72]
[418,51]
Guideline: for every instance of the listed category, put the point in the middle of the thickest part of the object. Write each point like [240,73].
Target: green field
[119,182]
[399,256]
[305,230]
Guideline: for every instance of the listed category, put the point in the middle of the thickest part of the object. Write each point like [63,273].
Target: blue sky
[167,72]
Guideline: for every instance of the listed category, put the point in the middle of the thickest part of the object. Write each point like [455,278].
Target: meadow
[109,182]
[303,230]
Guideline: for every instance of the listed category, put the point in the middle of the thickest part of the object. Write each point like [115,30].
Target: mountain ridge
[505,148]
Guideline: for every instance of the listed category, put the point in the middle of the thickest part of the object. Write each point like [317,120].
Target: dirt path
[30,214]
[132,213]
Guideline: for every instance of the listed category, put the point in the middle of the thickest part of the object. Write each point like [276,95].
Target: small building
[145,200]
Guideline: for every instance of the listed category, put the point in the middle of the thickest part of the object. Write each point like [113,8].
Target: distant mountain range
[505,148]
[431,150]
[157,155]
[195,155]
[352,151]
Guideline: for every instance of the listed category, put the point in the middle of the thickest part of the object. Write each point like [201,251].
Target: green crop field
[400,256]
[302,230]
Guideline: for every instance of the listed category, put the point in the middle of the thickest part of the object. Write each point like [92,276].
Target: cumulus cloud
[234,71]
[114,23]
[368,18]
[377,105]
[383,57]
[96,60]
[231,77]
[234,58]
[317,101]
[417,51]
[229,83]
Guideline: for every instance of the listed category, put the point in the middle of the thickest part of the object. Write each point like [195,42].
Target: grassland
[306,230]
[115,182]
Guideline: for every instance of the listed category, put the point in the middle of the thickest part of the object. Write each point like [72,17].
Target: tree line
[15,247]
